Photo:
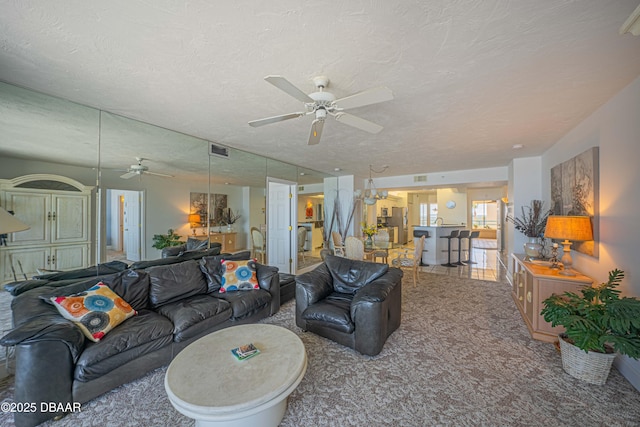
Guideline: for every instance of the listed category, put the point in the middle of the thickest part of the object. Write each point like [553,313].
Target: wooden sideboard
[227,240]
[533,283]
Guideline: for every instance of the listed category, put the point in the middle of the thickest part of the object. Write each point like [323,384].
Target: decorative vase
[532,248]
[369,242]
[229,228]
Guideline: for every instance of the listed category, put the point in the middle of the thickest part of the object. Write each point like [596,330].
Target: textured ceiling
[470,78]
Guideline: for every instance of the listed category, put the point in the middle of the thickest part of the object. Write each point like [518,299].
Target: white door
[281,236]
[132,225]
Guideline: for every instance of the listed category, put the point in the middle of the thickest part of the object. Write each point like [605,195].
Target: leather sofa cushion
[132,286]
[193,315]
[211,266]
[176,281]
[350,275]
[139,335]
[245,304]
[332,312]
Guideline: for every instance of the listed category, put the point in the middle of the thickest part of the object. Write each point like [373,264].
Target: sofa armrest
[54,328]
[376,311]
[269,280]
[375,292]
[311,287]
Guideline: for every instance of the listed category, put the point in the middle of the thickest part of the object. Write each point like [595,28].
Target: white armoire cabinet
[58,212]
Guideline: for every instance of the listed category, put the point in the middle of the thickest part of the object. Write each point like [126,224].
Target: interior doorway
[124,225]
[282,200]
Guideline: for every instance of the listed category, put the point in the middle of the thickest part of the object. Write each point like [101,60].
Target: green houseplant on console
[599,325]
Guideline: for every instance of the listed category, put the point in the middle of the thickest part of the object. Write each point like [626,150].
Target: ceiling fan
[322,103]
[140,169]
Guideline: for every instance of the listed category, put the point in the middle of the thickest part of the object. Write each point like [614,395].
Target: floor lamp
[569,228]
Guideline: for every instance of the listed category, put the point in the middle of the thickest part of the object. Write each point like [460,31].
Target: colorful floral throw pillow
[239,276]
[95,311]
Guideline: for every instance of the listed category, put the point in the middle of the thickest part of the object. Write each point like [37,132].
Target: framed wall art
[575,190]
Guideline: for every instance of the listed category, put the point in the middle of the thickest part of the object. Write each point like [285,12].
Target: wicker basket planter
[589,366]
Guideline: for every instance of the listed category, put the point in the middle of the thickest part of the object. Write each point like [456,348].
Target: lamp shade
[10,224]
[195,218]
[574,228]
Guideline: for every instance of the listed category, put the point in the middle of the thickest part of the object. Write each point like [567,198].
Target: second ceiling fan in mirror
[322,103]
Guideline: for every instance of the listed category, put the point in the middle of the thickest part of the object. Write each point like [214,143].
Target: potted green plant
[532,224]
[161,241]
[598,326]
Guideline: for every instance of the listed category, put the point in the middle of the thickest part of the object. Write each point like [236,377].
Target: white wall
[615,128]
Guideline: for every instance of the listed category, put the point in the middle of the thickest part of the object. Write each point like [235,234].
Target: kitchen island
[435,248]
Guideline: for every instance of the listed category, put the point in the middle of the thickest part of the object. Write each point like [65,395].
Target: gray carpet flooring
[462,357]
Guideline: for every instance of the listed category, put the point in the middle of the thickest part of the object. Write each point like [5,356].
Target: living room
[609,123]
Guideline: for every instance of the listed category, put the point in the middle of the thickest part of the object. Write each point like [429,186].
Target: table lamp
[196,221]
[569,228]
[9,224]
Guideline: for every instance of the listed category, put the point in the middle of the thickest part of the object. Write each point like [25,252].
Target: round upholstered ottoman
[208,383]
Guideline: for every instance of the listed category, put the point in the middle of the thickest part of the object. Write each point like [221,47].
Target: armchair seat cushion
[332,312]
[195,314]
[137,336]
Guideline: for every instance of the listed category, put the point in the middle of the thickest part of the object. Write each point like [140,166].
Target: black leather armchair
[354,303]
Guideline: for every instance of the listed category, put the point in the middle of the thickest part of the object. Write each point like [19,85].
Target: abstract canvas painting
[574,191]
[218,202]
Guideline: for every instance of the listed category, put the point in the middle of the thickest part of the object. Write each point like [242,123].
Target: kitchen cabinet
[531,284]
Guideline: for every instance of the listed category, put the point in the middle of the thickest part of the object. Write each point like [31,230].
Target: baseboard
[630,369]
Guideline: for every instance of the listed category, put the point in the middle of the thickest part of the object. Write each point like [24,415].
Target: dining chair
[405,261]
[338,244]
[381,237]
[354,248]
[302,239]
[258,243]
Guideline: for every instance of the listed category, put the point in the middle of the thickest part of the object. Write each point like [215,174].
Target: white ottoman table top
[206,378]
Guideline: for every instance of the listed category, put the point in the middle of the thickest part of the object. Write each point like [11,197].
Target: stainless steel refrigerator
[398,219]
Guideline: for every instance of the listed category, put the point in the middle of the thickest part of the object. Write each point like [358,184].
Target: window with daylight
[485,214]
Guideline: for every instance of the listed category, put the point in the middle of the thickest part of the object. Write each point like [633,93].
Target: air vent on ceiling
[420,178]
[301,188]
[218,150]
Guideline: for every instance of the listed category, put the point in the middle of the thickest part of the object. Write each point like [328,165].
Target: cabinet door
[34,209]
[24,262]
[229,242]
[69,257]
[547,288]
[69,222]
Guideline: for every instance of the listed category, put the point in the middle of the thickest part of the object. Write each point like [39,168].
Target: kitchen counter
[435,248]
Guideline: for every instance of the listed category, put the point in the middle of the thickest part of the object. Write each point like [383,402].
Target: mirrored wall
[147,180]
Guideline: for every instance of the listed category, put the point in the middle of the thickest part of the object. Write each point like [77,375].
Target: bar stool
[464,234]
[473,235]
[418,234]
[454,234]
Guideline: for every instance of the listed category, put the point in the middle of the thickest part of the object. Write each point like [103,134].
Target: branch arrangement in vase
[533,221]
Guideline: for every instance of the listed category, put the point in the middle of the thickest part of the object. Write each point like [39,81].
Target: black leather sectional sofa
[177,303]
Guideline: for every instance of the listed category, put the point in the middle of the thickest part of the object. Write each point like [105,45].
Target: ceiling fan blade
[274,119]
[367,97]
[128,175]
[358,122]
[158,174]
[316,131]
[286,86]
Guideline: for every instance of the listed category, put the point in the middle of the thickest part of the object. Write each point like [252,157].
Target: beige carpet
[462,357]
